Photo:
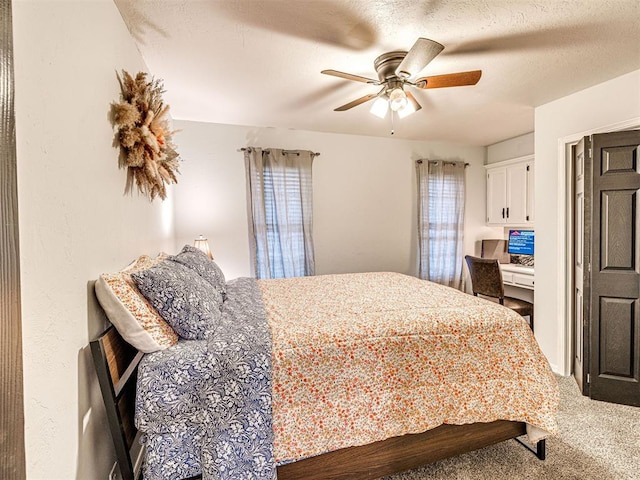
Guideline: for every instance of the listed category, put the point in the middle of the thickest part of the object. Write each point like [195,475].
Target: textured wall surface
[364,194]
[75,222]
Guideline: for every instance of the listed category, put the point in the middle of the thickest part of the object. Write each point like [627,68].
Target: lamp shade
[202,243]
[380,107]
[397,99]
[412,106]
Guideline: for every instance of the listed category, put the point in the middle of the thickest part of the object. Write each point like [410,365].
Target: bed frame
[116,365]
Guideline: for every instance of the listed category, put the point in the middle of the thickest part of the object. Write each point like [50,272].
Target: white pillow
[130,312]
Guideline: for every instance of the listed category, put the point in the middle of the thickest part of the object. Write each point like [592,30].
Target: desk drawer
[523,280]
[507,277]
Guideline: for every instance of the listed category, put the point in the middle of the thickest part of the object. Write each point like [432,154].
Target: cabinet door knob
[502,212]
[507,212]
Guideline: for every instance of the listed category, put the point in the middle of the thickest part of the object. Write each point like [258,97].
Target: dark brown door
[614,267]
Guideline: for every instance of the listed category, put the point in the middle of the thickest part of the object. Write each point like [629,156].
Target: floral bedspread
[338,360]
[204,406]
[363,357]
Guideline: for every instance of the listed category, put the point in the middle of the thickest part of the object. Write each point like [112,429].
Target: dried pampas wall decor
[144,137]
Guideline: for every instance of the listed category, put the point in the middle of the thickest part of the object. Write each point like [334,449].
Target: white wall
[511,148]
[364,195]
[74,221]
[608,103]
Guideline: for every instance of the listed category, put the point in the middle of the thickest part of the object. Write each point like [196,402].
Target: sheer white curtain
[279,186]
[441,189]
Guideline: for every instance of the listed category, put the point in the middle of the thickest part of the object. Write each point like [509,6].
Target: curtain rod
[436,161]
[244,149]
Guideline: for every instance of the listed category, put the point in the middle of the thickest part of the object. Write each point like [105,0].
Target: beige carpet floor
[597,440]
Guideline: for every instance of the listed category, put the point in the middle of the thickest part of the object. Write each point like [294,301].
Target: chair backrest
[486,277]
[495,248]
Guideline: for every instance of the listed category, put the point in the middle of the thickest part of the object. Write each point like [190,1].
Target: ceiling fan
[395,70]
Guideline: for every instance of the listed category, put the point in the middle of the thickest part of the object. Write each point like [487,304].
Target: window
[280,187]
[283,211]
[441,221]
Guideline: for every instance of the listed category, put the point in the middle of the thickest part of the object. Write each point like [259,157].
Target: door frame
[12,446]
[565,235]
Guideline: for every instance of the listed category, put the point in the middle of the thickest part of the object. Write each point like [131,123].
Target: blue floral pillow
[198,261]
[184,299]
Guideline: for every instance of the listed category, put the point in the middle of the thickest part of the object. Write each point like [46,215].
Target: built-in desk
[517,275]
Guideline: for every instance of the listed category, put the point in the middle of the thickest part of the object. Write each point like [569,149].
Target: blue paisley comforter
[204,406]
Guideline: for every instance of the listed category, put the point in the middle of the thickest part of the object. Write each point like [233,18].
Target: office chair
[495,248]
[486,280]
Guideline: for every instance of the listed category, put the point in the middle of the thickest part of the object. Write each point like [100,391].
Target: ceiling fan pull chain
[392,130]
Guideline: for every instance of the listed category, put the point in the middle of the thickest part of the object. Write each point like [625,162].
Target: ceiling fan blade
[349,76]
[422,52]
[355,103]
[450,80]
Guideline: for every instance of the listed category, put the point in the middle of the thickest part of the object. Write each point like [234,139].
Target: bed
[369,374]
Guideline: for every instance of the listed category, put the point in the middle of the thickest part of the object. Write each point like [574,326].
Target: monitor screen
[521,242]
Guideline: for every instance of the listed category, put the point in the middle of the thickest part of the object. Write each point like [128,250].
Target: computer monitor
[521,242]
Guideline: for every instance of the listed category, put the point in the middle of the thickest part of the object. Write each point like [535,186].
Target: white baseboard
[556,370]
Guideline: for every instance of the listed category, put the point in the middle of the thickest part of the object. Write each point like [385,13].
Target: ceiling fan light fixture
[380,107]
[412,106]
[407,110]
[397,99]
[394,70]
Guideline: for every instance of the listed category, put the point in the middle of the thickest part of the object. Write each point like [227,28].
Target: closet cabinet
[510,192]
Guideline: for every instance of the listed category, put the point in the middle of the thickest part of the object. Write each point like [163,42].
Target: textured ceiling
[258,62]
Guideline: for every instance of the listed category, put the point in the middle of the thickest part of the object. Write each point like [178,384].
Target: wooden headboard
[116,365]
